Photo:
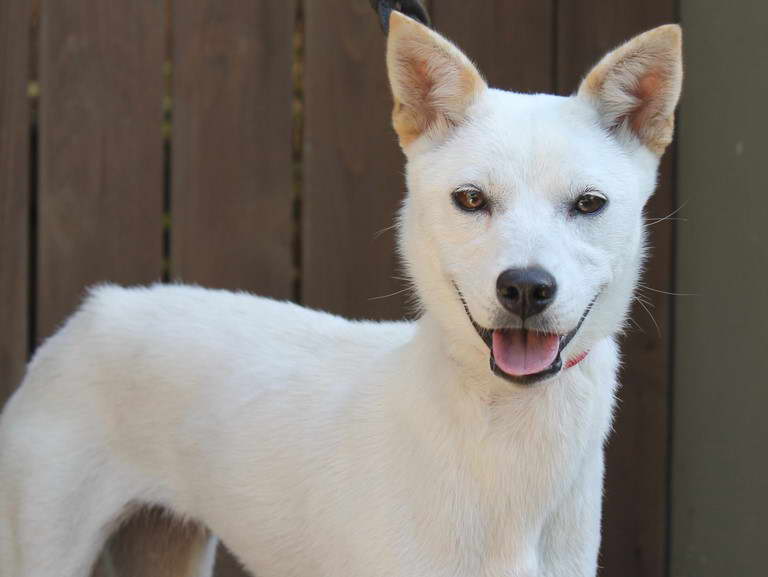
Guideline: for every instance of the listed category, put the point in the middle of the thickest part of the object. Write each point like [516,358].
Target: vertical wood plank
[14,191]
[100,199]
[352,165]
[232,196]
[635,510]
[511,41]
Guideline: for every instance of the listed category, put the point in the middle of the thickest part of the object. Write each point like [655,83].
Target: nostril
[542,293]
[510,292]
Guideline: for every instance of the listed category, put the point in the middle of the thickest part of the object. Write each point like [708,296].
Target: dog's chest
[477,502]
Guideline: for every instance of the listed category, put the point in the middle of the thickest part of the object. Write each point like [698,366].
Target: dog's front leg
[571,537]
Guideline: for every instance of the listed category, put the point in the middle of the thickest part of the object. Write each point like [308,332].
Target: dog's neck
[460,351]
[458,419]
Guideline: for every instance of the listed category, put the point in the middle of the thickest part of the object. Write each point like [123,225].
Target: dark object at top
[413,8]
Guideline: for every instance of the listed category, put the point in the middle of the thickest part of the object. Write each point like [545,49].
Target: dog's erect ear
[636,86]
[433,83]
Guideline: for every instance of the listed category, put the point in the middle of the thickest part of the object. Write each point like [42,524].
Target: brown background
[246,144]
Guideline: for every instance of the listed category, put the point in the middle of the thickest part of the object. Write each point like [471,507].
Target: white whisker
[646,287]
[401,291]
[383,230]
[634,322]
[650,314]
[653,221]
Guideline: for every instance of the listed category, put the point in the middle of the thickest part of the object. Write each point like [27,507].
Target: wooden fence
[246,144]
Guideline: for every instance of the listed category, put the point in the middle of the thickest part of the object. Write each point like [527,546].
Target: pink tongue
[519,353]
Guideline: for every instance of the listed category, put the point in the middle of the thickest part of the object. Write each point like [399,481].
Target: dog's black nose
[525,291]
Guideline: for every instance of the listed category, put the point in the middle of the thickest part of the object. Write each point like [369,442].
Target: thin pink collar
[576,360]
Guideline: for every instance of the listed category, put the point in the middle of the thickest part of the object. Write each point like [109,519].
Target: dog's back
[144,389]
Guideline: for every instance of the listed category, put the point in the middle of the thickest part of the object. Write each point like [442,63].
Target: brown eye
[469,198]
[589,203]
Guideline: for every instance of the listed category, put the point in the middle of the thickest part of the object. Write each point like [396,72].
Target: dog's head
[523,223]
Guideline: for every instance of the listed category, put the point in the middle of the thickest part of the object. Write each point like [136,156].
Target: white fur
[318,446]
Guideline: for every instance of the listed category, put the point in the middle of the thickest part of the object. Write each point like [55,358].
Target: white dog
[468,443]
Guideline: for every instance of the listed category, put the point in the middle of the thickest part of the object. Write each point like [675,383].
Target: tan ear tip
[673,30]
[669,33]
[397,19]
[402,27]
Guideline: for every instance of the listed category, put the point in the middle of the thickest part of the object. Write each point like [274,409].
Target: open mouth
[525,356]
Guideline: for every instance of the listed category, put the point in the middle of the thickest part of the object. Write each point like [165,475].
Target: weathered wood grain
[353,169]
[232,195]
[100,198]
[511,41]
[14,192]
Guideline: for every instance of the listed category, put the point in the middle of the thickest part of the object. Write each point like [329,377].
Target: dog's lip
[486,335]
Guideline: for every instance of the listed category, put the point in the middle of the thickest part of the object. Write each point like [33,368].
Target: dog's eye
[589,203]
[469,198]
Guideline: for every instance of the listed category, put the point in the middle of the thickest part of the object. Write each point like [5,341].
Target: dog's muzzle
[496,338]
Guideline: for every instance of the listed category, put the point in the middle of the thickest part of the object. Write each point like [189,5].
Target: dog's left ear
[635,88]
[433,82]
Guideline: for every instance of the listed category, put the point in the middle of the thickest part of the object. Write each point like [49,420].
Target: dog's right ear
[433,82]
[635,88]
